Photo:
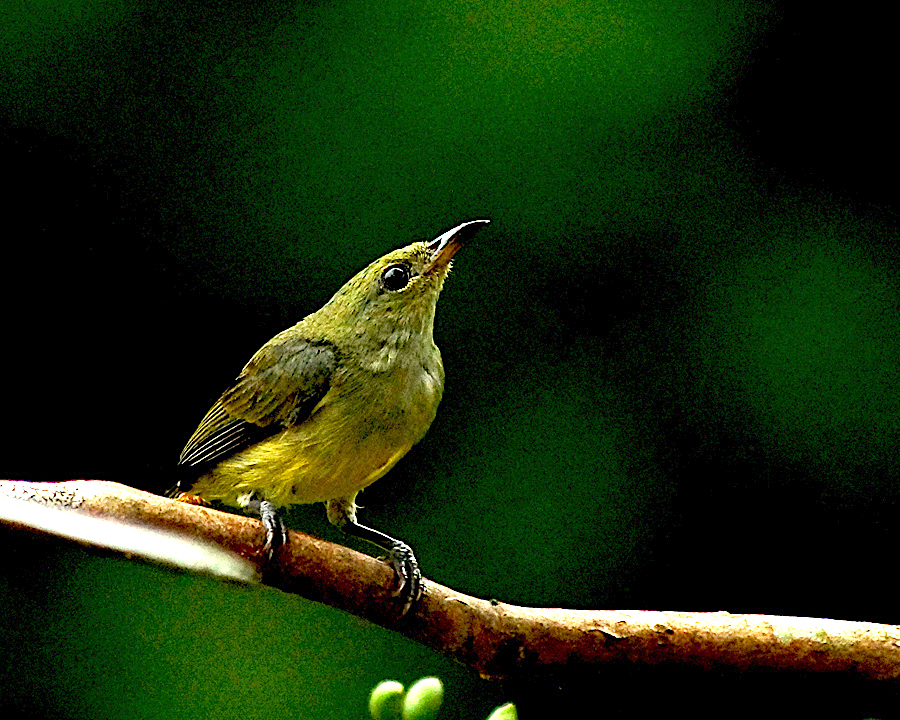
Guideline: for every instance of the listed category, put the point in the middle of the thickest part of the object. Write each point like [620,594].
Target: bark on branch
[496,639]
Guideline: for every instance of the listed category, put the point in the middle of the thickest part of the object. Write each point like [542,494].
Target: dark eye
[396,277]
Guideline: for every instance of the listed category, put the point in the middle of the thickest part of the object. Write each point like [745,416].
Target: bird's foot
[276,531]
[409,578]
[401,558]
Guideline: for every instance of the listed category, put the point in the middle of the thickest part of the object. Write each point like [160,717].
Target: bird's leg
[276,532]
[342,513]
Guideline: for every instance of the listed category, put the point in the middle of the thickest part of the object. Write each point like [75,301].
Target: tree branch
[496,639]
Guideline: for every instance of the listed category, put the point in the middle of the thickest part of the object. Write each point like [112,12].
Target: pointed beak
[444,246]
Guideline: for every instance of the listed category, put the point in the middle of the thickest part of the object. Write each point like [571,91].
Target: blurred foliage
[101,638]
[671,360]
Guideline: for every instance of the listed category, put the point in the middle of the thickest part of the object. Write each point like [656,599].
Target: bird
[328,406]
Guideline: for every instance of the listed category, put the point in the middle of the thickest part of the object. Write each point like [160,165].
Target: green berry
[504,712]
[386,700]
[423,700]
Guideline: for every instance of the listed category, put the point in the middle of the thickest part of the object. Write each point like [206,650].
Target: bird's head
[392,301]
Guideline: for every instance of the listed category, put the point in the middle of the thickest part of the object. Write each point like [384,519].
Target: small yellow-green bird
[328,406]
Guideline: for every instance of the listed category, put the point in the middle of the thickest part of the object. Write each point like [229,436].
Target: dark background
[671,359]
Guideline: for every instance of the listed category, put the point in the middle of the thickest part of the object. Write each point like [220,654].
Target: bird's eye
[396,277]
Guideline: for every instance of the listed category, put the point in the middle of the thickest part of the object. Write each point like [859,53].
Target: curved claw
[276,532]
[409,577]
[401,558]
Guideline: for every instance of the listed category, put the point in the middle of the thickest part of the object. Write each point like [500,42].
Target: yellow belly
[348,442]
[287,471]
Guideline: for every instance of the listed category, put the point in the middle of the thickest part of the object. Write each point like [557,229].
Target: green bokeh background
[671,359]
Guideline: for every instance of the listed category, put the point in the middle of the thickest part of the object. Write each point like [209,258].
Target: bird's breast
[362,426]
[398,405]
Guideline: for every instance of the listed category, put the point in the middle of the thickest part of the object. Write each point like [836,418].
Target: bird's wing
[278,387]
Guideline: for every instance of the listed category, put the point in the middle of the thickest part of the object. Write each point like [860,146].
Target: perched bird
[328,406]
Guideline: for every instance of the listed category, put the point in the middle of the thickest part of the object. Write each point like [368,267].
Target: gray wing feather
[280,386]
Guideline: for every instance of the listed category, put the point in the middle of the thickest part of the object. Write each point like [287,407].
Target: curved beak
[444,246]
